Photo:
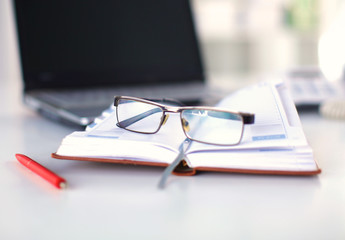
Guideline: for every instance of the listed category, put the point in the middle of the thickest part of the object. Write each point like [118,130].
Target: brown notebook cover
[184,170]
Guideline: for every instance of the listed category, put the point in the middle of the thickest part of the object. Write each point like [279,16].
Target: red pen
[45,173]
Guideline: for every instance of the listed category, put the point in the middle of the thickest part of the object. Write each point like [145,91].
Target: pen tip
[62,185]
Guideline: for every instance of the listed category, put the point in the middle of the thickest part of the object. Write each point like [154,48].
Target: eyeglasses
[201,124]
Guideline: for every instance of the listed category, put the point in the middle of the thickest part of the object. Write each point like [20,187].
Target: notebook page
[300,159]
[275,142]
[107,140]
[170,135]
[271,128]
[78,144]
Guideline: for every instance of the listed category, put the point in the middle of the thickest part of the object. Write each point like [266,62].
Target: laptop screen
[83,43]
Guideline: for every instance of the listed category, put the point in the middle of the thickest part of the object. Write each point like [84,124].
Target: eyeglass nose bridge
[171,109]
[164,118]
[166,111]
[185,125]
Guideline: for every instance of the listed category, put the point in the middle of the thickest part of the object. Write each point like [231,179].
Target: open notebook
[274,144]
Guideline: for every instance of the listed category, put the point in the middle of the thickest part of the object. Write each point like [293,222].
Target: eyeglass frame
[247,118]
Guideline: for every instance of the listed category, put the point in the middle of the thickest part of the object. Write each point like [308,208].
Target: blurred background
[243,39]
[258,37]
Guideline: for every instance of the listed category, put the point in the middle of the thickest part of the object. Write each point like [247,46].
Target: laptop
[76,55]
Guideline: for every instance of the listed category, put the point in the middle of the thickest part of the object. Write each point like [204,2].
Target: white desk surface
[111,201]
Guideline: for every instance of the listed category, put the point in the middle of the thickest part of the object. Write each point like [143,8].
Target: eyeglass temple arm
[134,119]
[168,170]
[248,118]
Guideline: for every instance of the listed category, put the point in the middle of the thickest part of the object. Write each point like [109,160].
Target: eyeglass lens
[138,116]
[214,127]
